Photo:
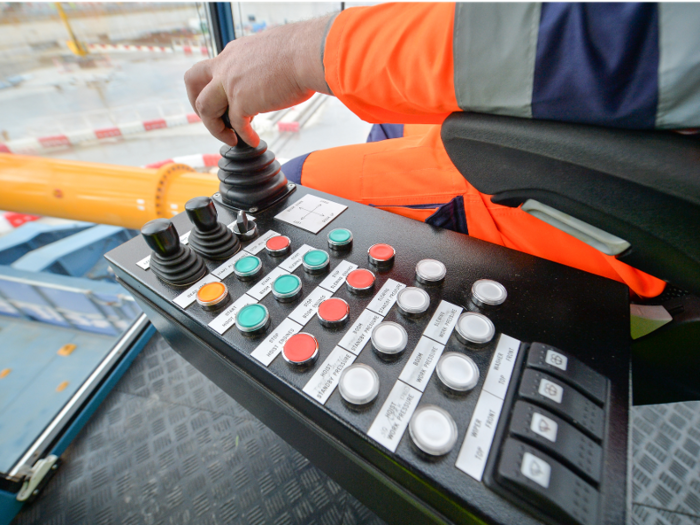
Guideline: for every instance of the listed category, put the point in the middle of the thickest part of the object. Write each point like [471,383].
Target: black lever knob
[209,238]
[245,228]
[171,261]
[202,213]
[162,237]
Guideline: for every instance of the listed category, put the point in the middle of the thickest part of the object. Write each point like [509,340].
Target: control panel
[427,371]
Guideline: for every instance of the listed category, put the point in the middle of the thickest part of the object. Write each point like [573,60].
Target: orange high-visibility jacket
[417,63]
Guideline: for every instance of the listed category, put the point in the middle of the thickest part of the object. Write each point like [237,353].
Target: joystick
[171,261]
[251,178]
[245,227]
[209,237]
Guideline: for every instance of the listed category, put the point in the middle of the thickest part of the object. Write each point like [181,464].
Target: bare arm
[272,70]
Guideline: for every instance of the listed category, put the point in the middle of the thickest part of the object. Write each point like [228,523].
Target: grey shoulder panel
[679,66]
[495,46]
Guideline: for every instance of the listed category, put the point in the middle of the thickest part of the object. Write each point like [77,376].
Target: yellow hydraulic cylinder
[102,193]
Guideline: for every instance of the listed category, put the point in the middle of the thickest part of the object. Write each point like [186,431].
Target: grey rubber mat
[169,447]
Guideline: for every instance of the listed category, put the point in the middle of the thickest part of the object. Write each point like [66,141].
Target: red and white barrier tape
[75,138]
[140,48]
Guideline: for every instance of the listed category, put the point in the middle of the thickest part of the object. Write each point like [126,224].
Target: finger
[211,104]
[245,130]
[196,79]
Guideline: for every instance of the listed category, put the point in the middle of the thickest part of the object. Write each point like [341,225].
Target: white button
[556,359]
[433,430]
[430,271]
[359,384]
[536,469]
[489,292]
[458,371]
[475,328]
[551,390]
[389,337]
[413,300]
[544,426]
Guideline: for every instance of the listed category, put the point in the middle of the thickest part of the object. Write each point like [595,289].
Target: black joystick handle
[172,261]
[251,179]
[162,237]
[202,213]
[209,238]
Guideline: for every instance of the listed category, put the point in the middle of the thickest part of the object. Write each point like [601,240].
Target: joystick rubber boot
[251,178]
[172,261]
[209,237]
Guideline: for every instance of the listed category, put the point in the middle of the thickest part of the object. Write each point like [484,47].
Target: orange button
[211,293]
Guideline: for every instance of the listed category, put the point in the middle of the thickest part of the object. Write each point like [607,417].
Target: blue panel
[598,64]
[9,507]
[79,310]
[26,416]
[74,255]
[27,349]
[26,299]
[33,235]
[60,302]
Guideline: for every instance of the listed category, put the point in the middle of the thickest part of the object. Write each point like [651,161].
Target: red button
[360,279]
[333,310]
[277,243]
[381,252]
[300,348]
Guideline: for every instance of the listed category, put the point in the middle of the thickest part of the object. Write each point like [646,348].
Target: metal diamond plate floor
[169,447]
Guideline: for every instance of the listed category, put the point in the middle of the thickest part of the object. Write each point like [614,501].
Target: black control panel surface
[538,434]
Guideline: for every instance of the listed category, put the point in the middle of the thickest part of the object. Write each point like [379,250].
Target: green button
[247,265]
[315,258]
[340,236]
[286,284]
[251,316]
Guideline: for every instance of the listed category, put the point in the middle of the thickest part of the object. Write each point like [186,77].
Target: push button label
[323,382]
[360,332]
[386,297]
[443,322]
[272,345]
[392,420]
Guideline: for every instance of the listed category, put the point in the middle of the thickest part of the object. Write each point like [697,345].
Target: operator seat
[631,194]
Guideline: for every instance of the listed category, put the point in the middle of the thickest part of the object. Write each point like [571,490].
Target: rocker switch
[563,400]
[557,438]
[543,481]
[568,369]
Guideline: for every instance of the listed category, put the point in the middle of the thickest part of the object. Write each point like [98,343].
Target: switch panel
[338,326]
[542,480]
[558,438]
[569,369]
[563,400]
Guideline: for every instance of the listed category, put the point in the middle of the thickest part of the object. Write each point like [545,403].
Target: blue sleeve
[598,64]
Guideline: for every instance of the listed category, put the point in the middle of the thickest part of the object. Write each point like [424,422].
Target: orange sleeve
[393,63]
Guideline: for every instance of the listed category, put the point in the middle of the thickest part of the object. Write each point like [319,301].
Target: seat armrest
[640,186]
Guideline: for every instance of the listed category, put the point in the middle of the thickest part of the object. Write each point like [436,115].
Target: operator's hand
[272,70]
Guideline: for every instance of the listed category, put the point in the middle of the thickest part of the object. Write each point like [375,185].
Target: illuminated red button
[278,245]
[360,280]
[300,349]
[381,254]
[333,312]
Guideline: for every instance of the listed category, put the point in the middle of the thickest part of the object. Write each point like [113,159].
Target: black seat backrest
[642,186]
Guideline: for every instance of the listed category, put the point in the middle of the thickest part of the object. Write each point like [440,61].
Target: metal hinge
[35,476]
